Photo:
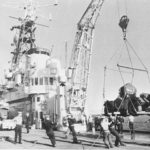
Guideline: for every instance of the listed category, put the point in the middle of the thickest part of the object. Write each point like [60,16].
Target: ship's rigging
[127,93]
[24,39]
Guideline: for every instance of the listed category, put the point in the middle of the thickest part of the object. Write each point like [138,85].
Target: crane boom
[81,56]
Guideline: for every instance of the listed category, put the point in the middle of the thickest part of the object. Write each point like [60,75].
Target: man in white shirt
[131,126]
[18,128]
[107,136]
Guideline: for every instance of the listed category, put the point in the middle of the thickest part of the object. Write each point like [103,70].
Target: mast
[24,39]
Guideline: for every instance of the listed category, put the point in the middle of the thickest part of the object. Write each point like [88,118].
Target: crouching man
[71,122]
[48,126]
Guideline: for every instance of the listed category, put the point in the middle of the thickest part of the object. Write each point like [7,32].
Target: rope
[121,103]
[139,59]
[132,104]
[120,54]
[117,70]
[129,59]
[113,55]
[121,74]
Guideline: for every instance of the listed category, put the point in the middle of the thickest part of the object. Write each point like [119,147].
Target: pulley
[123,23]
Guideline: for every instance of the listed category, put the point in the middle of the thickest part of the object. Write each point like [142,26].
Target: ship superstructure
[34,78]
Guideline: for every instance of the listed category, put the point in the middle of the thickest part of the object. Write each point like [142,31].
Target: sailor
[119,123]
[27,122]
[71,122]
[131,126]
[66,125]
[114,132]
[106,133]
[18,128]
[49,125]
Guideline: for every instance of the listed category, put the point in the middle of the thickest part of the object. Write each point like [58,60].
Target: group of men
[108,126]
[48,125]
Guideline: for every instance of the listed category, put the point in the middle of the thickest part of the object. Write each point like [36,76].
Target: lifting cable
[121,103]
[132,104]
[129,59]
[146,70]
[105,69]
[121,74]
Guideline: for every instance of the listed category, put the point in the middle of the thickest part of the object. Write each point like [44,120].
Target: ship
[37,83]
[34,81]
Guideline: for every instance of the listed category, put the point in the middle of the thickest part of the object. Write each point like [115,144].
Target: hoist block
[123,23]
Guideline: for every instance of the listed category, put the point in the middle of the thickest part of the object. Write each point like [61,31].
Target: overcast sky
[107,39]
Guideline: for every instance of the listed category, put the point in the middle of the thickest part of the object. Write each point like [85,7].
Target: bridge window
[51,81]
[38,99]
[32,81]
[46,80]
[36,81]
[41,81]
[33,99]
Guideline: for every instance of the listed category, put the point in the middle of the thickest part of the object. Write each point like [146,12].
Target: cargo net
[127,103]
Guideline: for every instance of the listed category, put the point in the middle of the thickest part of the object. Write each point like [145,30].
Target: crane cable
[139,60]
[105,69]
[128,52]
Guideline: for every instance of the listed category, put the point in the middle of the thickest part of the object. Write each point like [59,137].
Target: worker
[131,126]
[90,123]
[66,125]
[119,123]
[114,132]
[18,128]
[48,126]
[27,122]
[71,122]
[106,132]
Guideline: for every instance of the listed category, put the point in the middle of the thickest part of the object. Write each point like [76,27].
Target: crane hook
[123,23]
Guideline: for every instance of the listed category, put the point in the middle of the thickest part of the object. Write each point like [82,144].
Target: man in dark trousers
[114,132]
[27,122]
[48,125]
[18,128]
[71,122]
[119,123]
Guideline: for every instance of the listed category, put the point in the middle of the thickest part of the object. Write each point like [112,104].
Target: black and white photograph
[75,74]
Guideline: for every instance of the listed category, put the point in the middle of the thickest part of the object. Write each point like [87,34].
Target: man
[90,123]
[119,123]
[27,122]
[114,132]
[71,122]
[131,127]
[48,125]
[66,125]
[106,132]
[18,128]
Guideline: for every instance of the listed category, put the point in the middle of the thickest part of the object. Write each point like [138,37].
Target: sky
[107,40]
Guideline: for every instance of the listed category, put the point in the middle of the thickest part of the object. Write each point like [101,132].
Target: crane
[79,67]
